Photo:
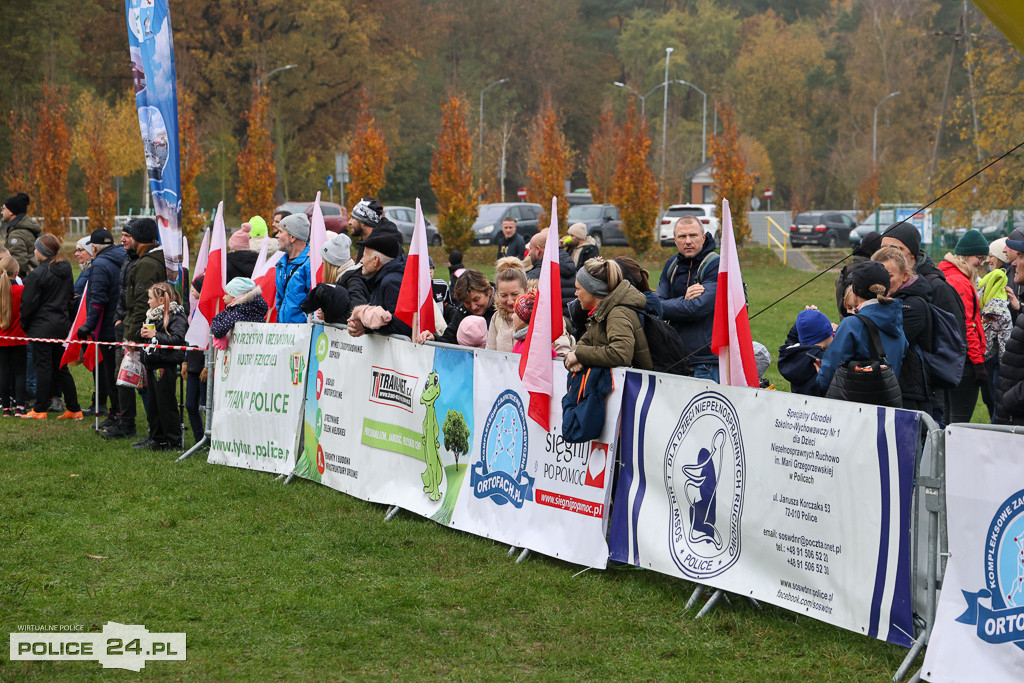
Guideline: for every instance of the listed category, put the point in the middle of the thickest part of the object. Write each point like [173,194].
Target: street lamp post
[279,151]
[259,81]
[704,125]
[643,98]
[664,126]
[874,131]
[480,151]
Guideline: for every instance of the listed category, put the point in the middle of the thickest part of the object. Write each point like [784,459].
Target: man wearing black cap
[383,267]
[1010,402]
[367,218]
[1014,290]
[101,308]
[20,232]
[147,271]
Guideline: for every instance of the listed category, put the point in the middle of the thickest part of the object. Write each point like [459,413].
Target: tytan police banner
[258,383]
[800,502]
[979,626]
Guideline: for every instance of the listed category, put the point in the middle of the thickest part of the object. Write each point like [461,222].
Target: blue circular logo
[1004,553]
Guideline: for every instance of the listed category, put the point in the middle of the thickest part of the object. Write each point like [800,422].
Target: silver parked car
[405,218]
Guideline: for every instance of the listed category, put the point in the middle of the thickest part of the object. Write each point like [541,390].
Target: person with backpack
[913,292]
[799,356]
[615,334]
[687,289]
[961,271]
[1010,395]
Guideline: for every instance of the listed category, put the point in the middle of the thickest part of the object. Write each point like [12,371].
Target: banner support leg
[392,511]
[523,555]
[192,451]
[288,479]
[512,550]
[712,601]
[698,592]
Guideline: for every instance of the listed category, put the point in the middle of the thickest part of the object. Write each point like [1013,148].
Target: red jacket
[14,329]
[975,331]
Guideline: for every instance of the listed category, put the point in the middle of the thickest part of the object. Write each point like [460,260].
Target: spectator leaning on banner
[20,232]
[687,288]
[383,267]
[293,270]
[1010,396]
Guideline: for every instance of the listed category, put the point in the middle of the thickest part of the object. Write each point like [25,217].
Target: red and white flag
[416,296]
[204,256]
[730,337]
[74,350]
[317,240]
[211,299]
[546,326]
[265,277]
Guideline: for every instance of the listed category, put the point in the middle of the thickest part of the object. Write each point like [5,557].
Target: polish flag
[317,240]
[535,368]
[74,350]
[265,277]
[730,337]
[211,299]
[416,297]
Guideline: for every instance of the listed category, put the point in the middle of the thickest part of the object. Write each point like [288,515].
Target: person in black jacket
[46,313]
[1010,403]
[240,260]
[805,345]
[510,242]
[915,294]
[1014,290]
[579,245]
[165,324]
[101,310]
[869,244]
[194,373]
[367,219]
[476,296]
[344,286]
[566,268]
[383,266]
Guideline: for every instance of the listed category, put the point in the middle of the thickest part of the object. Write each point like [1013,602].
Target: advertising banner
[529,488]
[388,421]
[796,501]
[259,382]
[156,95]
[979,626]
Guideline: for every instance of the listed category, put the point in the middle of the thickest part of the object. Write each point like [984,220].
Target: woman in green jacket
[615,335]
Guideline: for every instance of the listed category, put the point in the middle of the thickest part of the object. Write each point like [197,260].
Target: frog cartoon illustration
[431,455]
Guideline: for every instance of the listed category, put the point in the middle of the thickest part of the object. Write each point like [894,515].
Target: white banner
[797,501]
[979,627]
[259,383]
[388,421]
[529,488]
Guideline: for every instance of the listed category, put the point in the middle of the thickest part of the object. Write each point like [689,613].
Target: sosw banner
[259,383]
[797,501]
[979,625]
[527,487]
[388,421]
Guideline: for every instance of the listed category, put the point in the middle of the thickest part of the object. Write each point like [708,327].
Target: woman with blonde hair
[961,271]
[615,335]
[510,281]
[165,325]
[13,347]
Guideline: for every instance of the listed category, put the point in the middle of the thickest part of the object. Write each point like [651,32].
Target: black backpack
[944,362]
[667,351]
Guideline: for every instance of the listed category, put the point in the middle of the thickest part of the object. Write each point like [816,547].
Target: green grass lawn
[302,582]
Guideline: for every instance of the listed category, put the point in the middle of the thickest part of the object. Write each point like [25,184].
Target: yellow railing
[781,241]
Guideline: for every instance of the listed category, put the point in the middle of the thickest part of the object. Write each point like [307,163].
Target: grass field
[301,582]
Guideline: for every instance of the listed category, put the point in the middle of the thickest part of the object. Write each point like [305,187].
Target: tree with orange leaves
[451,177]
[256,170]
[635,190]
[729,173]
[18,176]
[51,159]
[603,157]
[549,161]
[367,156]
[193,159]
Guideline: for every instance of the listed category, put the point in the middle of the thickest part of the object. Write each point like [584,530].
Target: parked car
[824,228]
[602,221]
[489,217]
[405,218]
[704,212]
[335,215]
[581,196]
[872,223]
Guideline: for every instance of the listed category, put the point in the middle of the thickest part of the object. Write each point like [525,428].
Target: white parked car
[705,213]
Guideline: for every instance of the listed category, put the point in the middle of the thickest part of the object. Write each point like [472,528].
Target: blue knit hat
[812,326]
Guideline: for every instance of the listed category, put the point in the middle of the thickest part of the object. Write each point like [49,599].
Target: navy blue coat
[104,290]
[384,286]
[852,341]
[694,318]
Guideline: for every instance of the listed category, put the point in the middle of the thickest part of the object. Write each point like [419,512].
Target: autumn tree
[729,173]
[635,190]
[549,160]
[603,157]
[367,156]
[193,159]
[256,171]
[51,159]
[18,176]
[451,177]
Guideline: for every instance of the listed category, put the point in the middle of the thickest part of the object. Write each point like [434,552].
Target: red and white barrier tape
[104,343]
